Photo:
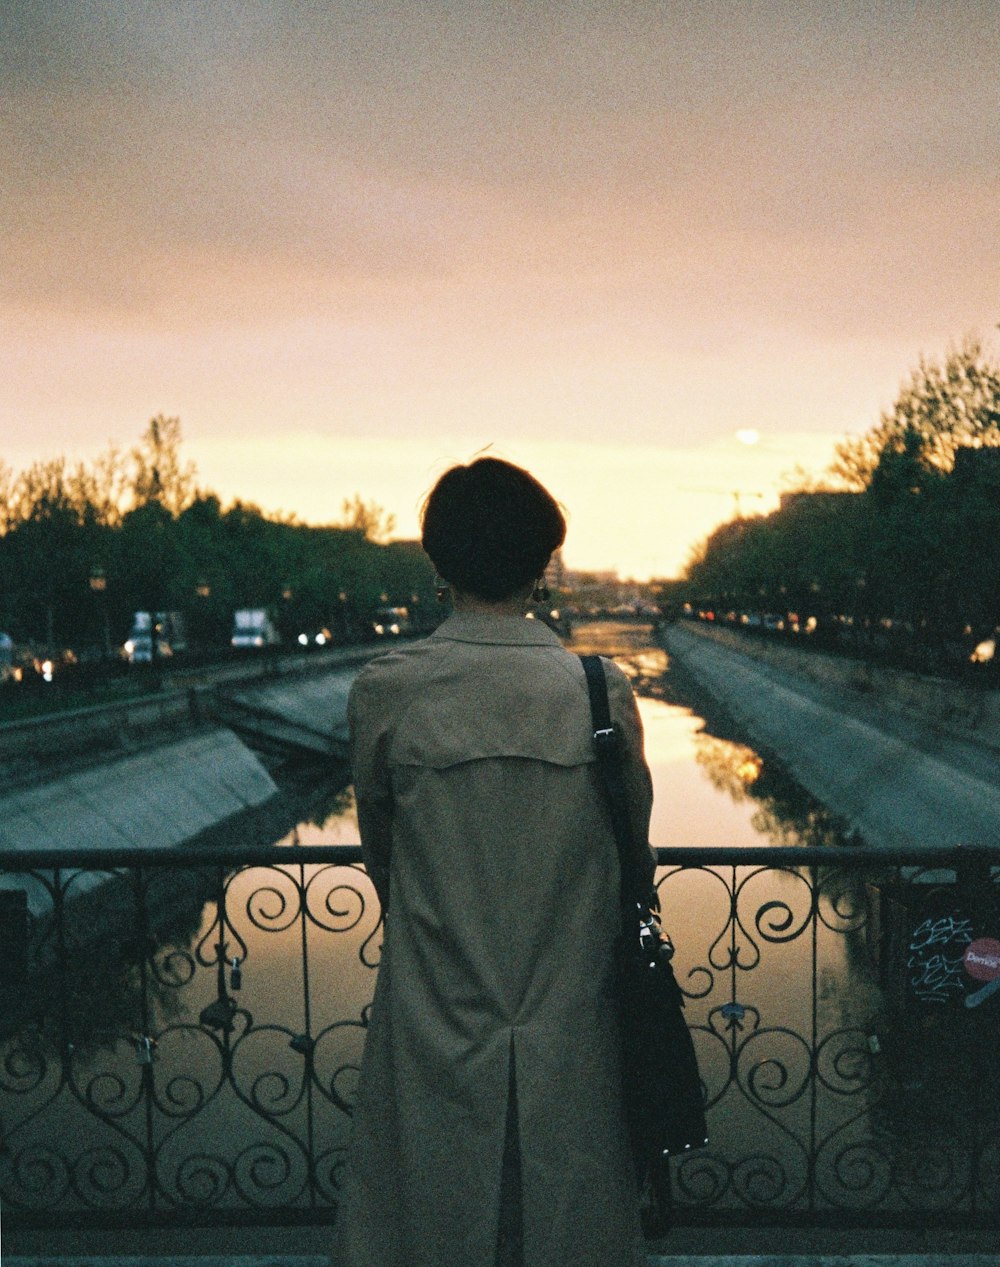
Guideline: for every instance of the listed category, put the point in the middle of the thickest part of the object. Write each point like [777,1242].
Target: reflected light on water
[699,781]
[338,828]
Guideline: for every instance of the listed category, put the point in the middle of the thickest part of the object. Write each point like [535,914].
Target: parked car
[6,657]
[253,629]
[168,630]
[391,621]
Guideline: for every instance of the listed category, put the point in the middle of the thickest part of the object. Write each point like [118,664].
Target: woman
[489,1127]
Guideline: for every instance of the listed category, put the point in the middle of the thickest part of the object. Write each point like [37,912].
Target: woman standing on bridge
[489,1126]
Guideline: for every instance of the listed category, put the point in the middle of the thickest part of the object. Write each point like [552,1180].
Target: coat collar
[499,630]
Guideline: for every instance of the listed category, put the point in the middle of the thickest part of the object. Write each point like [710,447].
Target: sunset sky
[351,243]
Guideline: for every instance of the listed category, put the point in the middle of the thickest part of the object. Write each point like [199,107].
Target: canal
[710,787]
[254,986]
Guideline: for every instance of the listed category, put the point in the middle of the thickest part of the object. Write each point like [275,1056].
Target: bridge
[828,1132]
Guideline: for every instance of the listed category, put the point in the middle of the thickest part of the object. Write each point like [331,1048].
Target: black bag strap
[607,746]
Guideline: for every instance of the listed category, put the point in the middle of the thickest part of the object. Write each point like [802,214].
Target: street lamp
[342,615]
[98,582]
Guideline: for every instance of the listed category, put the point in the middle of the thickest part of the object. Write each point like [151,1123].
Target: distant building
[557,571]
[575,578]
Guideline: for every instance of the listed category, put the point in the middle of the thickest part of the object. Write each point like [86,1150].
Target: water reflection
[214,1053]
[330,814]
[690,739]
[710,787]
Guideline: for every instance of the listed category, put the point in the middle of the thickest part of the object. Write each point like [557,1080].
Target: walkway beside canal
[898,766]
[655,1260]
[685,1247]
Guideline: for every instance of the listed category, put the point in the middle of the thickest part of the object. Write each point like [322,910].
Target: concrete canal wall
[159,797]
[943,704]
[904,761]
[196,762]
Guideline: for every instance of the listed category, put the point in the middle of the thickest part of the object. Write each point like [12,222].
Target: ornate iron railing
[180,1033]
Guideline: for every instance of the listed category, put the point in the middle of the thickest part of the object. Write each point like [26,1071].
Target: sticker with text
[982,962]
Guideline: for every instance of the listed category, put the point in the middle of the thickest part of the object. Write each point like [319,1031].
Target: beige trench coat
[485,832]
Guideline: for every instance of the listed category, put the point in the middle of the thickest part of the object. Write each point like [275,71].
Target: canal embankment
[902,760]
[208,760]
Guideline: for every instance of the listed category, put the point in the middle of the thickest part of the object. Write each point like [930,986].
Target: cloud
[623,226]
[237,151]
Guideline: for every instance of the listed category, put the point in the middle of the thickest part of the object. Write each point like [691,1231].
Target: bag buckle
[607,738]
[652,939]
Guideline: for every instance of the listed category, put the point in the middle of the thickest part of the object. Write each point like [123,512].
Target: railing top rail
[670,856]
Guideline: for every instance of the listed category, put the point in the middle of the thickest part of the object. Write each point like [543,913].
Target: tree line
[83,546]
[904,532]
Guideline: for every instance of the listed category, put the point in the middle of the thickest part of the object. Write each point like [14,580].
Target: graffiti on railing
[936,957]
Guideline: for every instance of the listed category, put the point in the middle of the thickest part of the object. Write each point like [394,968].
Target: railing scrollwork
[183,1037]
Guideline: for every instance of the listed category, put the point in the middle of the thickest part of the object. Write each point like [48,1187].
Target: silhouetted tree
[158,474]
[916,545]
[368,518]
[139,522]
[942,406]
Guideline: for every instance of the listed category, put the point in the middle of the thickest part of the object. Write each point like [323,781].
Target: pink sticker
[982,959]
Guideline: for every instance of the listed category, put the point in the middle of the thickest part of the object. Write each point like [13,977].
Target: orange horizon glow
[638,511]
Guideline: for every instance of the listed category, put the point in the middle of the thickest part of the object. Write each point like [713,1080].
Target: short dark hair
[490,528]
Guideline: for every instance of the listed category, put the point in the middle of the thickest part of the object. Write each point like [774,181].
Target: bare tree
[158,474]
[942,406]
[102,487]
[368,518]
[6,498]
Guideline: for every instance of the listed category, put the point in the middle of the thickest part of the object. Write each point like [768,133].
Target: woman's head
[490,528]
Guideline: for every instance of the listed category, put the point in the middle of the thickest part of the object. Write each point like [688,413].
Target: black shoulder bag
[663,1094]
